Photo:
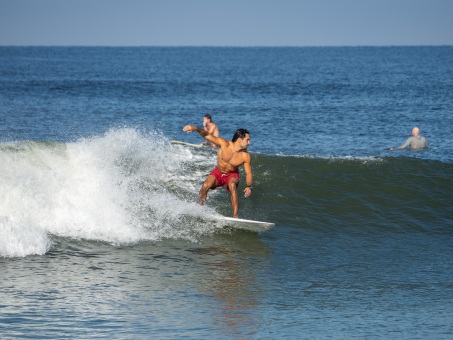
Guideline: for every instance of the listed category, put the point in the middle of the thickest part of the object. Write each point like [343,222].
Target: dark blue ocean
[100,235]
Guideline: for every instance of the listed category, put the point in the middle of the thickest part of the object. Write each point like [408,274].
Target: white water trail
[121,188]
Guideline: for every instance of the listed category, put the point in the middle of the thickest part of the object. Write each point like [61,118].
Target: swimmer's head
[415,131]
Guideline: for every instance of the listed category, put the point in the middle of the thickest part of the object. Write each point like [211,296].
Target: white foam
[122,187]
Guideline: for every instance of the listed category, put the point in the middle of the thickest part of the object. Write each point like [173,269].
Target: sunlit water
[100,235]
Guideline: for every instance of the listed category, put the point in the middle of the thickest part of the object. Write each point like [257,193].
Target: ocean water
[100,235]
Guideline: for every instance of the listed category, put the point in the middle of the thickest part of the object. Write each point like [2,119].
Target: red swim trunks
[222,179]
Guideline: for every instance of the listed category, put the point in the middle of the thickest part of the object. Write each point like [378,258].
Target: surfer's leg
[209,183]
[233,189]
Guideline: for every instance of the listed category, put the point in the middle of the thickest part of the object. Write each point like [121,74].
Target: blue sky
[226,23]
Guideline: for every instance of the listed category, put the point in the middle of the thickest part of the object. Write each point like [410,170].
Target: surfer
[211,128]
[231,155]
[416,142]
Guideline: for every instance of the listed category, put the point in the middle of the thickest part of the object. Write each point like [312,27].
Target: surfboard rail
[177,142]
[250,225]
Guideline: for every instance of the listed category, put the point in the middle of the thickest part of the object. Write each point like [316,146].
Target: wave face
[400,194]
[126,186]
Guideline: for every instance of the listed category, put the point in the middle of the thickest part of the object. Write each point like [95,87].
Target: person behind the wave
[231,155]
[210,127]
[416,142]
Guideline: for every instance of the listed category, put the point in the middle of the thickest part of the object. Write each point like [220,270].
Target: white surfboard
[249,225]
[177,142]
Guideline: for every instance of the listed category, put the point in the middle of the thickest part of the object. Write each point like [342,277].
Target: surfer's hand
[247,191]
[189,128]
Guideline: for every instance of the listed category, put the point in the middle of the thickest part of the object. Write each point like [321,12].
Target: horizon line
[227,46]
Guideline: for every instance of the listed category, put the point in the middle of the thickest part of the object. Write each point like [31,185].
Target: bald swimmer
[416,142]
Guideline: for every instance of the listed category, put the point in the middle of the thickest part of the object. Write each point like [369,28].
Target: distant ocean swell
[126,186]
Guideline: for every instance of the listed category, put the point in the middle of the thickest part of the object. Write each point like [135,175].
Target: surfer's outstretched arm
[205,134]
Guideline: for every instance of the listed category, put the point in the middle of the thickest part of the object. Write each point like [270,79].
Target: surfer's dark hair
[208,116]
[240,133]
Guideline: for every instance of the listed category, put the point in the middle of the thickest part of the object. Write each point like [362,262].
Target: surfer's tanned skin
[231,155]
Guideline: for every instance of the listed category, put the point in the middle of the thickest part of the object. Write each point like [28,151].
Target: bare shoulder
[219,141]
[246,155]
